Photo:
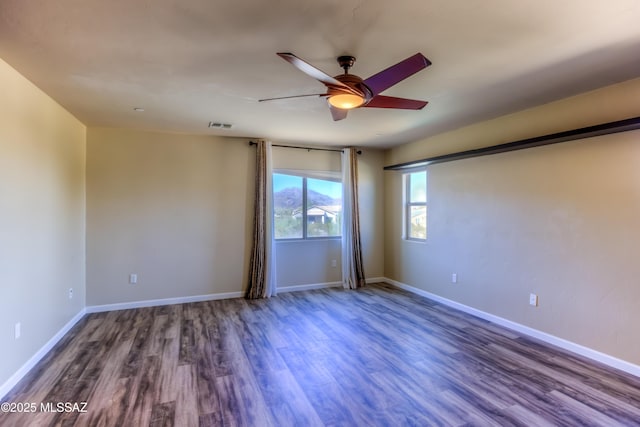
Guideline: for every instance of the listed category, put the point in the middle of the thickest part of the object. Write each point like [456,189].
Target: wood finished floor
[373,357]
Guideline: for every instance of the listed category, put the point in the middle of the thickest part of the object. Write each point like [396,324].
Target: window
[415,207]
[306,207]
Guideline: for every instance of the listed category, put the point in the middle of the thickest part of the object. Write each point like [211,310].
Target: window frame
[408,204]
[305,175]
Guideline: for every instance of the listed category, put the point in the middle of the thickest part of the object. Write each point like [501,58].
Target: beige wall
[42,218]
[560,221]
[173,209]
[177,211]
[371,203]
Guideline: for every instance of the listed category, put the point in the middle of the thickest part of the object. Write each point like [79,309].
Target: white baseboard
[590,353]
[163,301]
[210,297]
[309,287]
[312,286]
[24,369]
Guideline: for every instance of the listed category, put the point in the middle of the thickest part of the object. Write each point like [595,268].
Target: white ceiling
[189,62]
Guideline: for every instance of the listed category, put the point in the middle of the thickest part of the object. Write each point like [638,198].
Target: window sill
[313,239]
[420,241]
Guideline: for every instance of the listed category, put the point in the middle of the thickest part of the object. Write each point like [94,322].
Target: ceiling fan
[347,91]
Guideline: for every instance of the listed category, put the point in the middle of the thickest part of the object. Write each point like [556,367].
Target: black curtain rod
[538,141]
[307,148]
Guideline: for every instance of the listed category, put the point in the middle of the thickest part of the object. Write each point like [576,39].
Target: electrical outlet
[17,330]
[533,300]
[133,278]
[70,293]
[334,263]
[454,278]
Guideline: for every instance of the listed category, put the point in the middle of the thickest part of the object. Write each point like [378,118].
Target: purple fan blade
[338,113]
[396,73]
[381,101]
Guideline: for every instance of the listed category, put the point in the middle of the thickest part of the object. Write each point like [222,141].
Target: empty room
[319,213]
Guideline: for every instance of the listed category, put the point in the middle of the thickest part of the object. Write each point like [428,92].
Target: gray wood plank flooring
[376,356]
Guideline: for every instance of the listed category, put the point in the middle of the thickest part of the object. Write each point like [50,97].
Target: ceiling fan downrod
[346,62]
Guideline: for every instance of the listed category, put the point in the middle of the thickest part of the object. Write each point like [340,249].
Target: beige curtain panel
[352,269]
[262,263]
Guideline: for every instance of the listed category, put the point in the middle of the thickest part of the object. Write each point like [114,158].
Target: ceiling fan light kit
[348,91]
[346,101]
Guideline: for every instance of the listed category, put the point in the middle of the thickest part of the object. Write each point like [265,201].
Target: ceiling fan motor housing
[354,82]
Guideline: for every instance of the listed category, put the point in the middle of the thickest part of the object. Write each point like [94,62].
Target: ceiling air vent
[220,125]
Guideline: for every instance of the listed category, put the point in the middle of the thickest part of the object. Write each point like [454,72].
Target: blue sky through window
[330,188]
[280,182]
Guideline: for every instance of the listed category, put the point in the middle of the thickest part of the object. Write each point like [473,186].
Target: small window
[415,208]
[306,207]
